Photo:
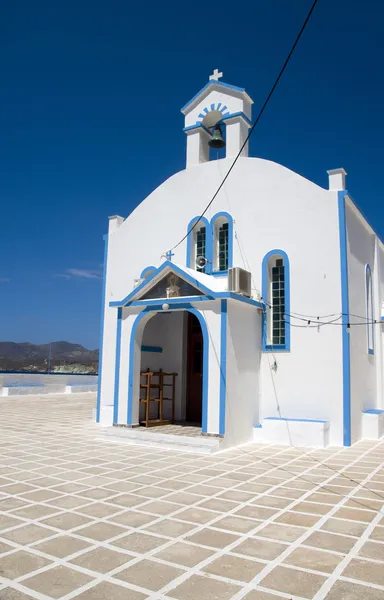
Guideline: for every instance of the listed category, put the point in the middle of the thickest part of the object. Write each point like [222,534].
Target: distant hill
[25,356]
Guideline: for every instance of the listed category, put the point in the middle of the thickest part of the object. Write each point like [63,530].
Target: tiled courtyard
[85,517]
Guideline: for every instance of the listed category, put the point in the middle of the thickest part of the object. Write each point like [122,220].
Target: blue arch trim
[223,366]
[208,243]
[131,374]
[117,366]
[265,280]
[347,438]
[147,271]
[369,301]
[100,369]
[230,239]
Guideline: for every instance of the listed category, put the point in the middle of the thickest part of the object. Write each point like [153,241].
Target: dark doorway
[194,370]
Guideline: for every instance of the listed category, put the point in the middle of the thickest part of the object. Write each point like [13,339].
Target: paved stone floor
[88,518]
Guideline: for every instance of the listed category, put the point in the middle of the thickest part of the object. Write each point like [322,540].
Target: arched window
[147,272]
[369,309]
[199,243]
[222,229]
[276,295]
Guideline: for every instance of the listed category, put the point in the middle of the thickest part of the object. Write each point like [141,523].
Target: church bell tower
[216,104]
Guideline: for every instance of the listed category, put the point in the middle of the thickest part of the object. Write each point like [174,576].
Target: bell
[216,140]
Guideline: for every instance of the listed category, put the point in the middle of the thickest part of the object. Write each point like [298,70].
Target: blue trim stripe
[223,366]
[166,265]
[369,317]
[265,289]
[151,349]
[240,114]
[100,369]
[347,438]
[373,411]
[212,83]
[197,126]
[117,366]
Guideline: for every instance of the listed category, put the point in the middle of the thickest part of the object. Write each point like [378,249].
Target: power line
[254,124]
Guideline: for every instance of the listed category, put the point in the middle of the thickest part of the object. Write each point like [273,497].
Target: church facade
[268,312]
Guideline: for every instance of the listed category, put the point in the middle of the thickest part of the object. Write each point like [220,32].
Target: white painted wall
[243,372]
[361,251]
[273,208]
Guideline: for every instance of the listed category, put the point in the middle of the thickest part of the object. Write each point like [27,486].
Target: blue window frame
[369,310]
[276,295]
[222,243]
[199,243]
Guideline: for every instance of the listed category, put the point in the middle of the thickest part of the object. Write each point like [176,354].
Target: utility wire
[254,124]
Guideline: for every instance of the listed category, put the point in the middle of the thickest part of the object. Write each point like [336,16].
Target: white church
[258,321]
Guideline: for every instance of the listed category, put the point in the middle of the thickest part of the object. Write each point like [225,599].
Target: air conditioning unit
[239,281]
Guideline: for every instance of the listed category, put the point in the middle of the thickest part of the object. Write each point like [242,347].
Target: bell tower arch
[215,104]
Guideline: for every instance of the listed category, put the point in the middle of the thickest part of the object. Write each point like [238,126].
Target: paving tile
[40,495]
[292,518]
[234,567]
[196,515]
[329,541]
[377,534]
[236,524]
[281,533]
[257,548]
[256,512]
[27,534]
[272,501]
[211,537]
[100,531]
[353,514]
[219,504]
[57,582]
[139,542]
[68,502]
[66,521]
[184,554]
[109,591]
[7,521]
[11,503]
[149,574]
[344,590]
[131,518]
[35,511]
[62,546]
[316,560]
[9,593]
[292,581]
[102,560]
[170,528]
[159,507]
[20,563]
[203,588]
[345,527]
[365,570]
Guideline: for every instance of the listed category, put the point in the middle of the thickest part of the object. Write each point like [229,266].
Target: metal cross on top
[169,255]
[215,75]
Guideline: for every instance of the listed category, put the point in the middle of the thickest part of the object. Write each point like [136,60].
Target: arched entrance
[174,341]
[194,378]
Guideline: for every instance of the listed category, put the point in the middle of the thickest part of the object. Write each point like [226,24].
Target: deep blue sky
[90,123]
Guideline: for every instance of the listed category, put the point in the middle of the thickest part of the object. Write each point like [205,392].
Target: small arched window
[369,309]
[276,295]
[199,244]
[222,229]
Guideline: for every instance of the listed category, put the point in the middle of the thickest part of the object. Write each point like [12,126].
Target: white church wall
[272,208]
[361,251]
[243,372]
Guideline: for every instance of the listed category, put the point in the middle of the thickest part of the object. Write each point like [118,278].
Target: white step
[167,441]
